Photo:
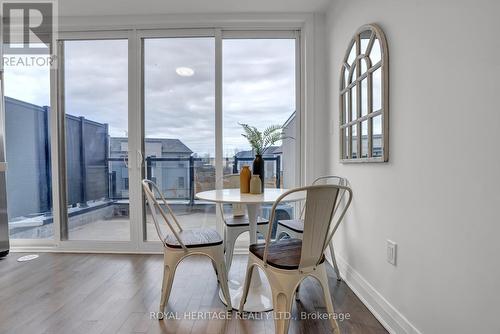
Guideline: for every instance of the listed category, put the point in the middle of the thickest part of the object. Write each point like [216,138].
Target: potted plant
[260,141]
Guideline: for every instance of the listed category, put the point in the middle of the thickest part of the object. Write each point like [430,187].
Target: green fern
[261,141]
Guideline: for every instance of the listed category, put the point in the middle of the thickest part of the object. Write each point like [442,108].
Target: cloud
[30,84]
[258,87]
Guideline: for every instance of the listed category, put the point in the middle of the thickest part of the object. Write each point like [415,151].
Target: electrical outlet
[391,252]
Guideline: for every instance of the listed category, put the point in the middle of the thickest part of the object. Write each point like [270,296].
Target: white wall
[148,7]
[439,196]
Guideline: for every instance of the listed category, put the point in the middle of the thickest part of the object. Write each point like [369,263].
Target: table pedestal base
[259,296]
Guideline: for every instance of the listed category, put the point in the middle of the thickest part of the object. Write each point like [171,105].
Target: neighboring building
[289,161]
[171,176]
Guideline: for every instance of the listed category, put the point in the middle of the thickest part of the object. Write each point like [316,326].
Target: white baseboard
[386,313]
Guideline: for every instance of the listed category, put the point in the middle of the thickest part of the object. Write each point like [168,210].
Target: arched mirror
[364,98]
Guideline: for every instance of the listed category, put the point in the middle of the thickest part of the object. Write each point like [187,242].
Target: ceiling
[144,7]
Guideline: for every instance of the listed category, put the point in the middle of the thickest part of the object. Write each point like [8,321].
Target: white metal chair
[181,243]
[237,223]
[294,228]
[287,262]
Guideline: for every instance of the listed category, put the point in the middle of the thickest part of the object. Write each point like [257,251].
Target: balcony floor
[118,228]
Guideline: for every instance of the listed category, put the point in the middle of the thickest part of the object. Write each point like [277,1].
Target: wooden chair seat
[199,237]
[283,254]
[296,225]
[242,221]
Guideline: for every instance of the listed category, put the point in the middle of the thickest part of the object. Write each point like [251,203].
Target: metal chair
[237,223]
[294,228]
[181,243]
[287,262]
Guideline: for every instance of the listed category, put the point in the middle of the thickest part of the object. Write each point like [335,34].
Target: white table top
[234,196]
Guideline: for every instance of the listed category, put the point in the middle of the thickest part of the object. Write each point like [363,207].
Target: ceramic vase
[245,175]
[255,185]
[258,168]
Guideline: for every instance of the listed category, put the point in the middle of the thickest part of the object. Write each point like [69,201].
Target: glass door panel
[96,125]
[259,89]
[27,140]
[179,115]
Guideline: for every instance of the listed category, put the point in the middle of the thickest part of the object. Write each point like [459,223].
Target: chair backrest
[152,194]
[333,179]
[329,179]
[232,181]
[321,204]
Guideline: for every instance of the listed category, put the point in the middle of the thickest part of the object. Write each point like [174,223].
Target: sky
[258,87]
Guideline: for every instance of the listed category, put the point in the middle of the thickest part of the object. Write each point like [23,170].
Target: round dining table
[259,296]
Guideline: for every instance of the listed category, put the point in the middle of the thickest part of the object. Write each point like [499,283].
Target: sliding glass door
[164,105]
[96,136]
[259,90]
[179,125]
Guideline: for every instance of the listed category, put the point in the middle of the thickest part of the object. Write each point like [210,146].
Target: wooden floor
[89,293]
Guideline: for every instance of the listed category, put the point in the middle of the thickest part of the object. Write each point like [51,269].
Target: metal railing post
[148,168]
[83,161]
[112,189]
[106,155]
[235,165]
[191,180]
[46,150]
[278,172]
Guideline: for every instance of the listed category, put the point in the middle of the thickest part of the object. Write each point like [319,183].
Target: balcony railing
[277,160]
[198,174]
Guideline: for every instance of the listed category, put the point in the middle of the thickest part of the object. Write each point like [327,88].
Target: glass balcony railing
[179,179]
